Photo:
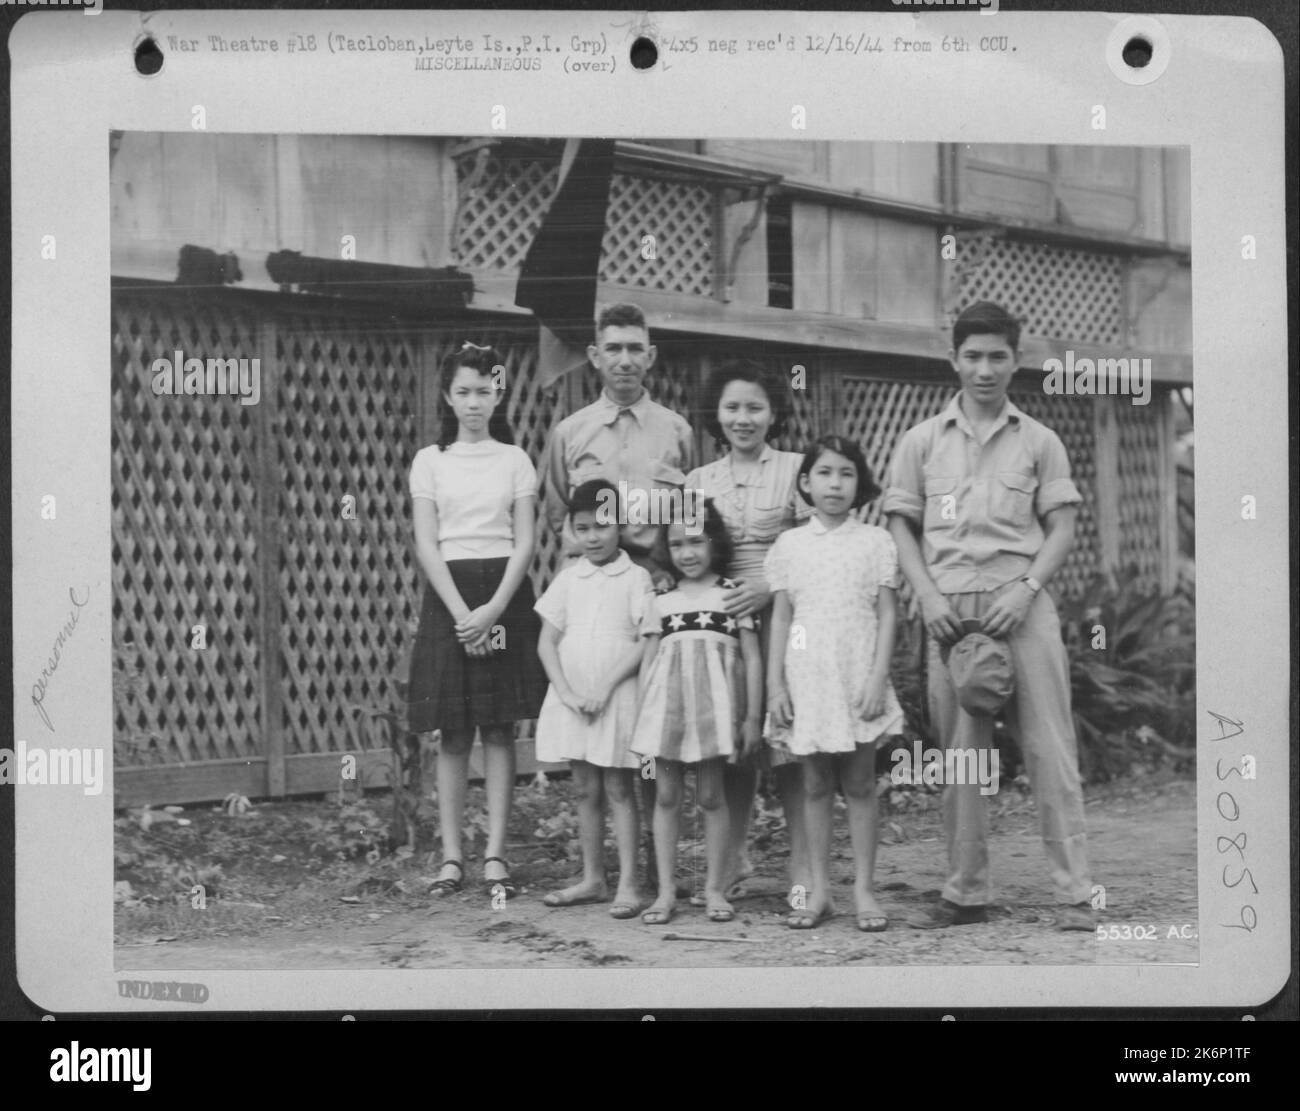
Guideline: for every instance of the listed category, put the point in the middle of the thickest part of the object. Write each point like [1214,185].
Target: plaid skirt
[453,692]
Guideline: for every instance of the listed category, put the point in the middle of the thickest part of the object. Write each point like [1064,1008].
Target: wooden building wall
[254,194]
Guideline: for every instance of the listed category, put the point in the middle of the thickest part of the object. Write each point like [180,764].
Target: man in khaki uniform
[982,508]
[623,436]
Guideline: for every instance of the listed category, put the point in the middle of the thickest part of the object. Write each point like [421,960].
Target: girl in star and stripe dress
[701,700]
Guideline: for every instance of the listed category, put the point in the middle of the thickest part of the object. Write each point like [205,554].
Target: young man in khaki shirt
[982,508]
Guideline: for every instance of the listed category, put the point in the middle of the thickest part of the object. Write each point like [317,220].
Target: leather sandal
[449,887]
[505,883]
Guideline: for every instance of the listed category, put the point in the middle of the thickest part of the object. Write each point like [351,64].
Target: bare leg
[819,798]
[499,774]
[648,789]
[667,817]
[740,784]
[453,781]
[857,777]
[591,838]
[711,792]
[789,785]
[620,789]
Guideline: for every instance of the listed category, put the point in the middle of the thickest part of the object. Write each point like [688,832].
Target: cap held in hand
[981,670]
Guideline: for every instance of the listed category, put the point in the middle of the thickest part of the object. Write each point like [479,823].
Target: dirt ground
[273,902]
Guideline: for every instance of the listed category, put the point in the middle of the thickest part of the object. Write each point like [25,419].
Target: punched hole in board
[644,53]
[1138,49]
[148,57]
[1137,52]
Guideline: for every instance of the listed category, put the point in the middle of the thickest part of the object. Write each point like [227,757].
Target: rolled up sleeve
[1055,486]
[904,491]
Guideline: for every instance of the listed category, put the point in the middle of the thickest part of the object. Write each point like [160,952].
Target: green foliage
[559,832]
[387,726]
[1132,676]
[907,673]
[163,866]
[349,831]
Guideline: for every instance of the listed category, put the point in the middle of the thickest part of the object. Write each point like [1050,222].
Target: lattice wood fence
[344,422]
[1142,490]
[503,201]
[186,545]
[233,517]
[679,215]
[282,528]
[500,207]
[1065,292]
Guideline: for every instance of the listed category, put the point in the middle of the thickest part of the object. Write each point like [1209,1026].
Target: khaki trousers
[1038,717]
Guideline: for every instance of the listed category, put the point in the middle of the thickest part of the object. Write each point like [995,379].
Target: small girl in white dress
[834,610]
[701,702]
[590,646]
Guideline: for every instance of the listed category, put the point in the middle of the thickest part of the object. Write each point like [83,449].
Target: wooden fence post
[270,677]
[424,349]
[1106,430]
[1163,401]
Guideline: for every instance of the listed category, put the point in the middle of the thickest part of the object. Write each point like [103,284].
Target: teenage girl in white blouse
[474,666]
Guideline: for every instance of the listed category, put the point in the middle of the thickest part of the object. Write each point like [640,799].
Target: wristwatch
[1034,585]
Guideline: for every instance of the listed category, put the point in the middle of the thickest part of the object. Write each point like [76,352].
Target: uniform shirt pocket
[1013,498]
[940,501]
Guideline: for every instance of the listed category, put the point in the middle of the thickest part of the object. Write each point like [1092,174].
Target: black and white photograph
[592,512]
[594,553]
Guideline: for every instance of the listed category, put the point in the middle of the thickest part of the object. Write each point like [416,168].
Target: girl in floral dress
[833,625]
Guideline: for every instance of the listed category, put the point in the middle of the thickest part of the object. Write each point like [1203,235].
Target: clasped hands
[474,631]
[588,705]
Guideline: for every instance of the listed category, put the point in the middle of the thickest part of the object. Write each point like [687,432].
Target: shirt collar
[953,413]
[616,566]
[610,409]
[728,465]
[819,529]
